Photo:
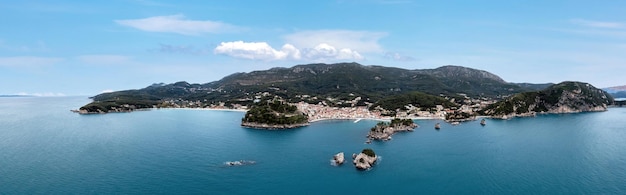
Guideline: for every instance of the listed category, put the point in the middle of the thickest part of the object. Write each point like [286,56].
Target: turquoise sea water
[46,149]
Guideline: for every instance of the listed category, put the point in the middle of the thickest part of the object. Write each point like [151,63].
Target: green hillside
[315,83]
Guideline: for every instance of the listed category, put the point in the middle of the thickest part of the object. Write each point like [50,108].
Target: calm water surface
[45,149]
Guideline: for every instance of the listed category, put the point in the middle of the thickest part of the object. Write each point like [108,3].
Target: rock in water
[339,158]
[239,162]
[365,160]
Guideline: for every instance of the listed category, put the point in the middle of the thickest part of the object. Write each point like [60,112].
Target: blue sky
[87,47]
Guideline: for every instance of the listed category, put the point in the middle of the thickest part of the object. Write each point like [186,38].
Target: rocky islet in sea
[384,130]
[364,160]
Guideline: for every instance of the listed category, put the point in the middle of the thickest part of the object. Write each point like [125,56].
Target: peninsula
[565,97]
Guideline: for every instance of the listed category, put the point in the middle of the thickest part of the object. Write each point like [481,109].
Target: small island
[384,130]
[338,159]
[274,115]
[364,160]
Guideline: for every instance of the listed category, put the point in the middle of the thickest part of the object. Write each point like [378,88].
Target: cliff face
[566,97]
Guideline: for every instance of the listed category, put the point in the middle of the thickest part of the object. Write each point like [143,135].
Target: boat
[437,126]
[483,122]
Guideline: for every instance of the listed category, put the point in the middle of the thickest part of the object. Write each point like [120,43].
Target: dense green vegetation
[417,99]
[394,122]
[123,102]
[458,116]
[534,87]
[341,82]
[374,82]
[369,152]
[572,94]
[397,121]
[274,113]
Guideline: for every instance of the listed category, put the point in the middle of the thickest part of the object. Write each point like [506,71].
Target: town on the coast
[322,111]
[290,97]
[286,98]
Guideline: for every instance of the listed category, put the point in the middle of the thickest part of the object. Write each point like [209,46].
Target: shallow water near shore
[46,149]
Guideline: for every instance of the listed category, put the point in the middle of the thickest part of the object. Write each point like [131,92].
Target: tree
[368,152]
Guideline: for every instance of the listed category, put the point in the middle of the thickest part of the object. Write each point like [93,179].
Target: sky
[63,47]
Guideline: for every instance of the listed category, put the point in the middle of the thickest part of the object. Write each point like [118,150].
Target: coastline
[204,109]
[273,127]
[310,121]
[376,119]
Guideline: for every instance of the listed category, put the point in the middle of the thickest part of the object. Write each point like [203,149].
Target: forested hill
[369,81]
[315,83]
[565,97]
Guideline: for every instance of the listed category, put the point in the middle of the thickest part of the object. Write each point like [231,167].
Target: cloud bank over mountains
[263,51]
[305,45]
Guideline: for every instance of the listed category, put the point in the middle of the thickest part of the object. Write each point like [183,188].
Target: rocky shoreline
[85,112]
[272,127]
[338,158]
[558,110]
[383,131]
[364,160]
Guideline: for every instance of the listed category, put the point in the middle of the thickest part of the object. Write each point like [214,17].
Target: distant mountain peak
[451,71]
[616,88]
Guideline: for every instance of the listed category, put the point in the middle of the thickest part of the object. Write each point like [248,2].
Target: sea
[46,149]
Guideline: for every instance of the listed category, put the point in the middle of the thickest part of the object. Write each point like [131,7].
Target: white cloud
[107,91]
[181,49]
[292,52]
[598,24]
[256,51]
[22,61]
[398,57]
[263,51]
[103,59]
[177,24]
[325,52]
[363,41]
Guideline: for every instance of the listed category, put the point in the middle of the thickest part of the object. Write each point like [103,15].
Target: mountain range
[617,91]
[332,84]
